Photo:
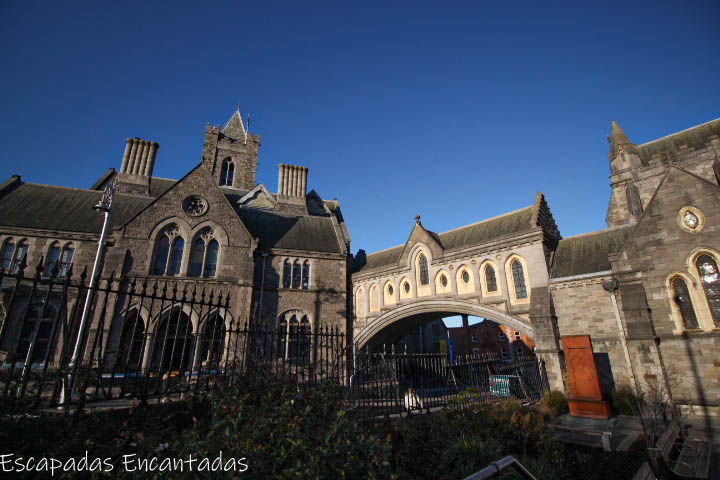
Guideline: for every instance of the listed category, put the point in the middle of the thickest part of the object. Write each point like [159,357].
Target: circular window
[466,276]
[443,280]
[406,286]
[195,206]
[390,289]
[691,219]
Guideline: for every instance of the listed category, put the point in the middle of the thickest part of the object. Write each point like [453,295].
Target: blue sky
[456,111]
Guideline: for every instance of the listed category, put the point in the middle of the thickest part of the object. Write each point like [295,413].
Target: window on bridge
[422,262]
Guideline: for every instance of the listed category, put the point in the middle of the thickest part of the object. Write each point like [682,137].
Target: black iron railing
[147,336]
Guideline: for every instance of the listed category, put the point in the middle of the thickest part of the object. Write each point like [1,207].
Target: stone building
[488,337]
[646,289]
[280,256]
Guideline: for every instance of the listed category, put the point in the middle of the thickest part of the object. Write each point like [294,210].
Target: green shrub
[555,401]
[625,400]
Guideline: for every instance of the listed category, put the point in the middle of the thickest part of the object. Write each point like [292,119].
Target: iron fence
[147,336]
[390,383]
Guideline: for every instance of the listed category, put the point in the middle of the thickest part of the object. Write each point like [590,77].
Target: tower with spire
[231,153]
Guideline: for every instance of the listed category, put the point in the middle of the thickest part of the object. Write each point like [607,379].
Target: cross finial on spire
[417,219]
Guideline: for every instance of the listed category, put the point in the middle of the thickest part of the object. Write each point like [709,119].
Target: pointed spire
[235,128]
[618,138]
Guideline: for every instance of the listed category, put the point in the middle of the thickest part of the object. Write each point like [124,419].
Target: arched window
[8,251]
[213,337]
[684,303]
[710,278]
[52,258]
[519,280]
[360,303]
[196,257]
[130,349]
[211,258]
[422,263]
[168,252]
[66,258]
[296,274]
[161,255]
[12,255]
[374,299]
[490,280]
[287,273]
[43,340]
[227,172]
[173,341]
[306,274]
[281,337]
[299,351]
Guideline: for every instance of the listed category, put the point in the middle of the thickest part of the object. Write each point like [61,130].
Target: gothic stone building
[646,289]
[214,228]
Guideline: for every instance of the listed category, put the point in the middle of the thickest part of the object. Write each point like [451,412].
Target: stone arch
[438,306]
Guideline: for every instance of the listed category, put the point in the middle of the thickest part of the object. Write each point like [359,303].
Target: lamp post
[105,206]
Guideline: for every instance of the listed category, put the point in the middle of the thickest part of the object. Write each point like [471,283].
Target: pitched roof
[588,253]
[695,137]
[506,224]
[292,233]
[46,207]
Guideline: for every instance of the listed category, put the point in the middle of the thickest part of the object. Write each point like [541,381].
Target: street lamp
[105,206]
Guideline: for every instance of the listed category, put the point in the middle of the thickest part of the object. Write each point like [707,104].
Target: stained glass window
[684,303]
[519,280]
[710,279]
[196,257]
[422,261]
[131,342]
[161,255]
[287,274]
[213,339]
[490,280]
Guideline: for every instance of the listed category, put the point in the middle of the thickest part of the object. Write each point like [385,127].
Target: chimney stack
[139,157]
[292,181]
[137,166]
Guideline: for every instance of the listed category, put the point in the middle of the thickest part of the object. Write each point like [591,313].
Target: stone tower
[636,170]
[231,154]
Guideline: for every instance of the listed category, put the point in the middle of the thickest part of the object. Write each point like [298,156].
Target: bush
[625,401]
[555,401]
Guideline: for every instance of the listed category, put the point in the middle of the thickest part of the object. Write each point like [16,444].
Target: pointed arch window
[203,255]
[130,349]
[710,278]
[282,328]
[519,280]
[13,255]
[294,335]
[173,341]
[66,258]
[490,280]
[53,256]
[306,274]
[168,252]
[213,339]
[684,303]
[227,172]
[296,274]
[287,273]
[423,265]
[43,339]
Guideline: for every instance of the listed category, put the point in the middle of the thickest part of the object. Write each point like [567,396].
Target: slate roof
[295,233]
[695,137]
[588,253]
[507,224]
[46,207]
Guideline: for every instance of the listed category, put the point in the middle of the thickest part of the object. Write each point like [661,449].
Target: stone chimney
[137,166]
[292,187]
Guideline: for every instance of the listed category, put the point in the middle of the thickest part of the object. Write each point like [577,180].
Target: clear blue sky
[456,111]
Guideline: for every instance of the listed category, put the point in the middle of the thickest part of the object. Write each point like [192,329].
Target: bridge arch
[380,328]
